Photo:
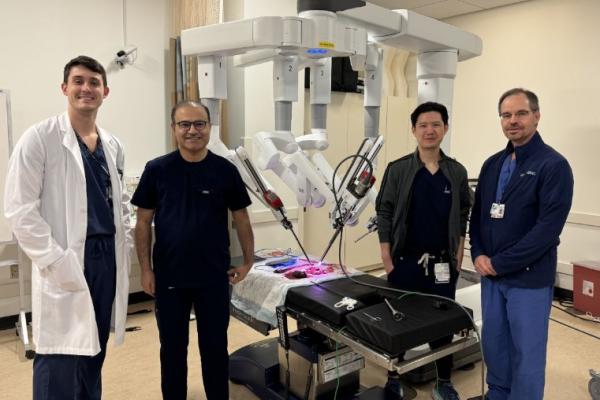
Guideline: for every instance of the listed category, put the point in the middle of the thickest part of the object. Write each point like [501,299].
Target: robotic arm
[254,182]
[212,82]
[337,29]
[356,188]
[311,177]
[269,197]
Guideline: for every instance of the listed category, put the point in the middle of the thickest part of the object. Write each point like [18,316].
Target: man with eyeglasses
[522,201]
[188,193]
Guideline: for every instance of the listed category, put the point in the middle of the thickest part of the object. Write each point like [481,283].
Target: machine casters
[594,385]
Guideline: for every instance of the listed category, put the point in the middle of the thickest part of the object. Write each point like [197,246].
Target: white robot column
[212,85]
[285,90]
[324,39]
[435,72]
[372,96]
[320,92]
[320,97]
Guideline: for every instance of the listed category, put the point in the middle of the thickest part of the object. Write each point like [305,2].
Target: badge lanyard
[506,172]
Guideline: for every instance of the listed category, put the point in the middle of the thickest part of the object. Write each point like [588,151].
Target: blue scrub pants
[515,335]
[71,377]
[211,306]
[409,275]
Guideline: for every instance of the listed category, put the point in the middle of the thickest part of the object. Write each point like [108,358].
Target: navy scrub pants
[409,275]
[211,306]
[515,337]
[71,377]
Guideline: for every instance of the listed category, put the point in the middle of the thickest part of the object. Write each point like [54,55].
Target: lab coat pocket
[67,274]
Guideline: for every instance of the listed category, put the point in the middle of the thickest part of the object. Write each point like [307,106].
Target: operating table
[344,324]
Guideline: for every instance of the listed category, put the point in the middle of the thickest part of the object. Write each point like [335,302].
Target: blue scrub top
[429,213]
[191,202]
[506,172]
[100,217]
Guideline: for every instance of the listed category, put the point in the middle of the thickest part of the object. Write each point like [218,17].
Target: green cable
[337,366]
[406,294]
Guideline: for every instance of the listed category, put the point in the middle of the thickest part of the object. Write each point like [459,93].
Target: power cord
[590,317]
[287,374]
[575,329]
[308,381]
[567,303]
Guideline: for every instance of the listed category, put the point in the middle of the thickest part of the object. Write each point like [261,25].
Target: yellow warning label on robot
[327,45]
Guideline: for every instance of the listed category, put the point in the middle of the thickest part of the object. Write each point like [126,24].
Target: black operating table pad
[424,319]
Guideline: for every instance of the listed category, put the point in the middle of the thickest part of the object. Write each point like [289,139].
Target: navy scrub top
[429,213]
[100,218]
[191,202]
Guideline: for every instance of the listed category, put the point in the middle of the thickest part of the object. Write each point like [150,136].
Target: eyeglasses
[187,125]
[519,115]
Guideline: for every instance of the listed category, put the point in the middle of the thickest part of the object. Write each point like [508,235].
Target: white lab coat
[45,202]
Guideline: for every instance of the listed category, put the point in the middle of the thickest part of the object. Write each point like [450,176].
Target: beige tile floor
[132,371]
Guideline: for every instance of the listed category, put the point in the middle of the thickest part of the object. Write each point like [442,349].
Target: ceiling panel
[447,8]
[440,9]
[492,3]
[403,4]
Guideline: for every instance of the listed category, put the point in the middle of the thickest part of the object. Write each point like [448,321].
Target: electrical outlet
[588,288]
[14,272]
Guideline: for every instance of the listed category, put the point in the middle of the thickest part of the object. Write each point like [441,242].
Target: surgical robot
[320,31]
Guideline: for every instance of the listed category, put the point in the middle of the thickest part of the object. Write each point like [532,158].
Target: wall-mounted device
[126,56]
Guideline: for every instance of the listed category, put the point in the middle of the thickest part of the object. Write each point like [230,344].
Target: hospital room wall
[550,47]
[38,37]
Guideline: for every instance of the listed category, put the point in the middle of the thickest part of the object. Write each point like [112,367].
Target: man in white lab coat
[65,202]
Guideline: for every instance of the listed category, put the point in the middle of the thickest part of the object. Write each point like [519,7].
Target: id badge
[497,211]
[442,272]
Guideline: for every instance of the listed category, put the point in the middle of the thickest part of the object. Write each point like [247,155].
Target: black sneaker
[444,390]
[393,389]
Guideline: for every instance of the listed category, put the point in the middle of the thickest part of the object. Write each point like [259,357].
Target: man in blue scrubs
[422,211]
[66,205]
[522,201]
[188,194]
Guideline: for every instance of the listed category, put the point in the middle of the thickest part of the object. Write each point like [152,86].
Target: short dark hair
[429,107]
[188,103]
[87,62]
[534,103]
